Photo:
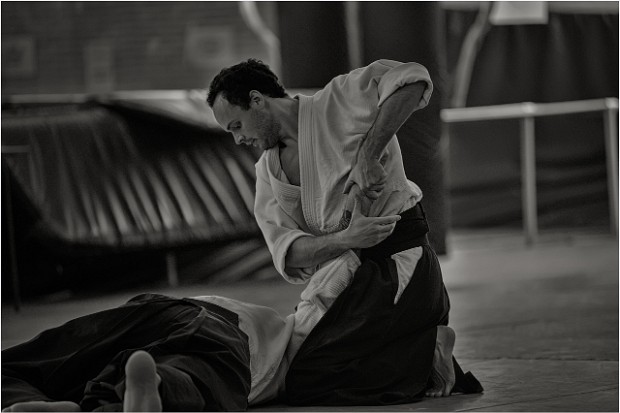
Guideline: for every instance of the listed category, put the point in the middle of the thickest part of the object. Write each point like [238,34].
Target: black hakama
[201,355]
[366,350]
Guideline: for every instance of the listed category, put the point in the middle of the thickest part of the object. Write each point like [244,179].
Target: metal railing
[526,112]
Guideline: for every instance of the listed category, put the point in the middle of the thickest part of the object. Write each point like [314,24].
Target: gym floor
[537,325]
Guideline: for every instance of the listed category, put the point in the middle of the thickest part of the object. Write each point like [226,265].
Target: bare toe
[141,384]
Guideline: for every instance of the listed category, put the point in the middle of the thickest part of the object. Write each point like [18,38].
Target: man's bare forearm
[394,112]
[310,251]
[362,232]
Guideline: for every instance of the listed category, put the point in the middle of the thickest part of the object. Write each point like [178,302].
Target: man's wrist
[342,241]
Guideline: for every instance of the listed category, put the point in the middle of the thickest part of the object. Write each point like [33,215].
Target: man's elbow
[416,90]
[298,275]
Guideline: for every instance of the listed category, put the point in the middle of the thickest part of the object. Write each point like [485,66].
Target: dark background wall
[148,41]
[572,57]
[315,51]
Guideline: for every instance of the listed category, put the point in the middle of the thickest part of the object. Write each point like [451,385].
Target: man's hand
[365,232]
[362,232]
[369,174]
[355,196]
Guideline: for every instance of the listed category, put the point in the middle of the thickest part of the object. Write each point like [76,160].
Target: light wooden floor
[538,326]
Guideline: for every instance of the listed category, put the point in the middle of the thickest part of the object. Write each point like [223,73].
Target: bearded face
[255,126]
[266,130]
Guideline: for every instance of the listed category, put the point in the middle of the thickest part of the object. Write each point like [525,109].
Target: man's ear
[257,98]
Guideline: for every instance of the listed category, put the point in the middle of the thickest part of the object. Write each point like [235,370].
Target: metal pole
[354,34]
[17,302]
[528,180]
[611,150]
[171,269]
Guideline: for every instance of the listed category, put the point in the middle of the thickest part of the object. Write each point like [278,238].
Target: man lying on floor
[156,353]
[337,212]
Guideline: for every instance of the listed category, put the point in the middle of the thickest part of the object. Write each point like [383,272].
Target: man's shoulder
[378,67]
[355,78]
[386,62]
[360,78]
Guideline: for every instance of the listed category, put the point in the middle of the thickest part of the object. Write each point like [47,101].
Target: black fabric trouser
[200,353]
[366,350]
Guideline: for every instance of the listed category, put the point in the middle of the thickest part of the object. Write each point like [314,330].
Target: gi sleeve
[373,84]
[278,228]
[396,75]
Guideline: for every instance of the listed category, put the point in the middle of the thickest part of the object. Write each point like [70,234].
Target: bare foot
[141,382]
[442,376]
[43,407]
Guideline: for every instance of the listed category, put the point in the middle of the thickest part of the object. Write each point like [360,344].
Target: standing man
[338,212]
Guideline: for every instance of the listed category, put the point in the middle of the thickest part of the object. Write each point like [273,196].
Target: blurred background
[115,175]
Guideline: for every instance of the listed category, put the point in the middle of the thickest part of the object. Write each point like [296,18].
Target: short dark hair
[236,82]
